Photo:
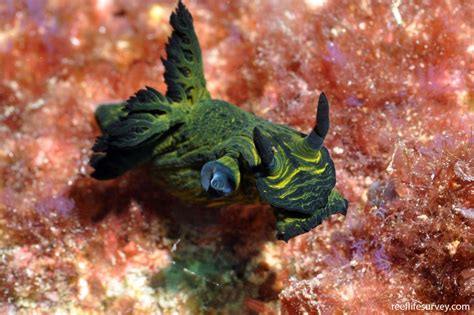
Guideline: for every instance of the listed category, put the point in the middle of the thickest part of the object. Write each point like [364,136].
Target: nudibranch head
[297,175]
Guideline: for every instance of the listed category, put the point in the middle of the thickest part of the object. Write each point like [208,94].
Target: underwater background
[399,76]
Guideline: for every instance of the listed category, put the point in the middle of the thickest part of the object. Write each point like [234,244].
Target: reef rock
[399,77]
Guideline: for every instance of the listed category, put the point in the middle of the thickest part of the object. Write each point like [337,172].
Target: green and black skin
[209,151]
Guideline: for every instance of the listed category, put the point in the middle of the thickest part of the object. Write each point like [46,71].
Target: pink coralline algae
[399,76]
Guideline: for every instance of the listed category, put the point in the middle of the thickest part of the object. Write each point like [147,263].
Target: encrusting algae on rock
[399,80]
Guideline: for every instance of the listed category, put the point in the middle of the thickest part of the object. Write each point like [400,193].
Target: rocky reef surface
[400,79]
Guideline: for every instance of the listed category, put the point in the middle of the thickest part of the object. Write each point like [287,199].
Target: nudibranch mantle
[209,151]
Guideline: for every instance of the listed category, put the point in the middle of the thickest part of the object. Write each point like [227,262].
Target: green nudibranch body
[209,151]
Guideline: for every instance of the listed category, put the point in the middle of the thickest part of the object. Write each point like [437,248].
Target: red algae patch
[399,78]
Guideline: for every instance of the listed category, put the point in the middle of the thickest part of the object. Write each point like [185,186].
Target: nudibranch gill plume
[209,151]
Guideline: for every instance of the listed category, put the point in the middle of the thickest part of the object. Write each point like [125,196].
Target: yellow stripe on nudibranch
[287,179]
[280,168]
[315,158]
[314,170]
[305,153]
[290,191]
[256,157]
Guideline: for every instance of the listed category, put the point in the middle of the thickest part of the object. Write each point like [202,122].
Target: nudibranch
[209,151]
